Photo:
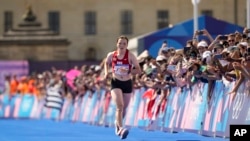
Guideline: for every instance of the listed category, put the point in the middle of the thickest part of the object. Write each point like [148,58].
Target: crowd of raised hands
[203,59]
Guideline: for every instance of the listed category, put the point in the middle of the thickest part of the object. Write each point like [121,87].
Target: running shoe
[123,133]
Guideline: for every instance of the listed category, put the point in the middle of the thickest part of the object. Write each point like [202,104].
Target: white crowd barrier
[185,109]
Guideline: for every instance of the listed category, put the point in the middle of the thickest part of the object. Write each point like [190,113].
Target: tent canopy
[179,34]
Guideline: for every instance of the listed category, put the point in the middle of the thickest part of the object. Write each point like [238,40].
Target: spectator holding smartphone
[203,32]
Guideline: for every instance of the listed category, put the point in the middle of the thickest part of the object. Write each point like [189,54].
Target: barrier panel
[133,107]
[239,111]
[194,110]
[3,102]
[217,111]
[185,109]
[99,110]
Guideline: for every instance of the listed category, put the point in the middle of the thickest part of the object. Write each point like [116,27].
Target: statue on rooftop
[29,16]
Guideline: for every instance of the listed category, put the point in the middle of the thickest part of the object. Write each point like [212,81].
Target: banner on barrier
[185,108]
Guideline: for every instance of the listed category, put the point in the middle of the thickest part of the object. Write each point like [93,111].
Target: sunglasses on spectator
[230,40]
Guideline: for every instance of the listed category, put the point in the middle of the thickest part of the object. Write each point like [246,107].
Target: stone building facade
[30,41]
[92,26]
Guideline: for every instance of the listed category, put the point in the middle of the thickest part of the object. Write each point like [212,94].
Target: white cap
[160,58]
[202,44]
[243,44]
[206,54]
[97,68]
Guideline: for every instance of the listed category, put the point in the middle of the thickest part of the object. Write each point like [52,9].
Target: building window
[8,20]
[245,17]
[207,12]
[91,54]
[126,22]
[162,19]
[90,22]
[54,21]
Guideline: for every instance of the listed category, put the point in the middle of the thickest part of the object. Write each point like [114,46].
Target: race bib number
[121,69]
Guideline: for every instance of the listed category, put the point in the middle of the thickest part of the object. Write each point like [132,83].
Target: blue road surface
[49,130]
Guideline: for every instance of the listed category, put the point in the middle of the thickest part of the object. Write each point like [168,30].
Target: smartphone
[223,37]
[218,56]
[186,49]
[171,67]
[200,32]
[248,51]
[215,49]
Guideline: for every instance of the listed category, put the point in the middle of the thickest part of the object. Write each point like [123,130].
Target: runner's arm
[107,64]
[136,67]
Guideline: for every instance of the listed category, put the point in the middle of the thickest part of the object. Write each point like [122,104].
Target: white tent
[136,44]
[178,35]
[142,56]
[133,45]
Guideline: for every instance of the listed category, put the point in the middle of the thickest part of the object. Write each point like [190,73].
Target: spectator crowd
[227,57]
